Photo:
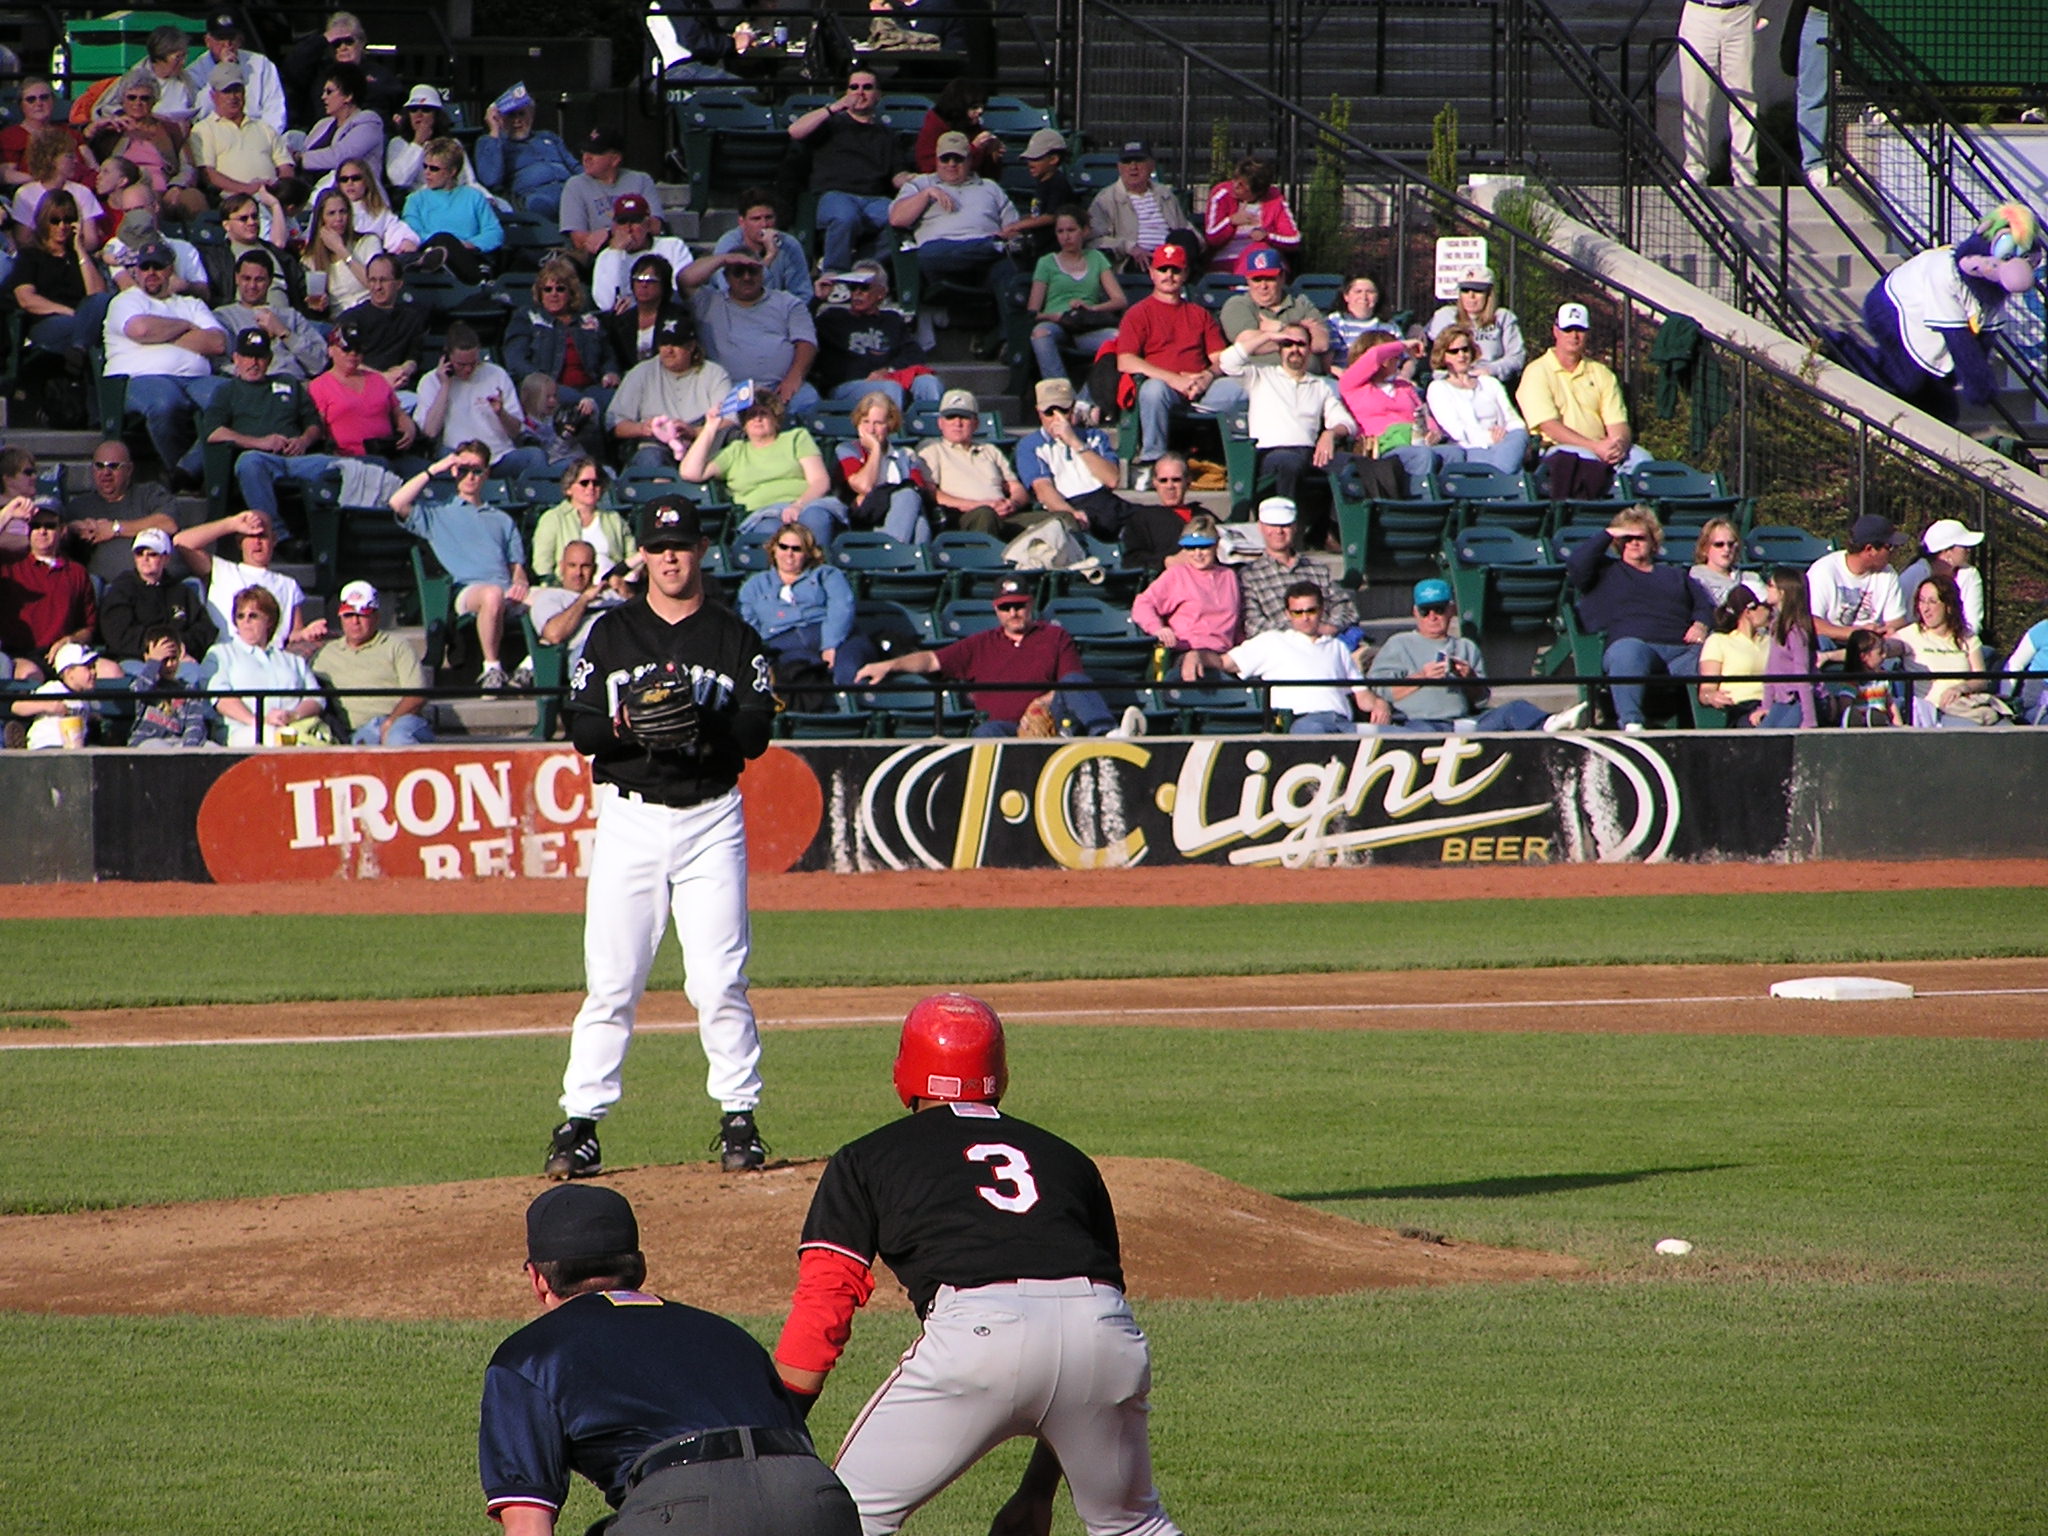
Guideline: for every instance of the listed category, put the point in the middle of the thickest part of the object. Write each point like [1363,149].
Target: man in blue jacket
[526,165]
[1654,616]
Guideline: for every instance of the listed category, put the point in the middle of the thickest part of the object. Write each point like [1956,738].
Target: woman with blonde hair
[52,166]
[802,608]
[1496,333]
[578,516]
[338,254]
[357,181]
[1472,409]
[886,479]
[1714,555]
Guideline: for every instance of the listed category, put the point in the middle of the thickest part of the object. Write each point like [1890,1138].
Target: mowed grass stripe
[1574,1410]
[117,963]
[1897,1157]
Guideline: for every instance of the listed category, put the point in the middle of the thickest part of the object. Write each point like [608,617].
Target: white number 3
[1010,1167]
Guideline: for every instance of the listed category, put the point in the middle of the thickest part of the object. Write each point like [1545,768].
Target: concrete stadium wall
[527,812]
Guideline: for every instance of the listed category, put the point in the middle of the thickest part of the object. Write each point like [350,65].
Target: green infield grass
[1858,1344]
[204,960]
[1721,1410]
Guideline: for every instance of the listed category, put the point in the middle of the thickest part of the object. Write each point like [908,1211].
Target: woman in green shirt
[773,476]
[578,516]
[1075,297]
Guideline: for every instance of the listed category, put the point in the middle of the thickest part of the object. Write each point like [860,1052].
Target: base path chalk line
[1040,1014]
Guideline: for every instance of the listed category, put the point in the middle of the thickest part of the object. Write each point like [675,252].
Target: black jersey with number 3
[964,1195]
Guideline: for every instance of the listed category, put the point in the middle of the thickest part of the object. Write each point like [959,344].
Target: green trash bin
[101,46]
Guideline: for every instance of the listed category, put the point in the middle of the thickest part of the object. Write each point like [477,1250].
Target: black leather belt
[719,1445]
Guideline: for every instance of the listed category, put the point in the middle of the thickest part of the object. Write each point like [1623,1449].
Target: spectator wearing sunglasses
[802,608]
[164,345]
[578,516]
[477,545]
[1472,409]
[1437,680]
[1654,616]
[1714,557]
[38,103]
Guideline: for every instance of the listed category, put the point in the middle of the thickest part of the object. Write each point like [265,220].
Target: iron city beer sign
[444,813]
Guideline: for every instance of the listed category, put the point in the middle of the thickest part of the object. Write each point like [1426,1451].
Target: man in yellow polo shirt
[1575,404]
[236,152]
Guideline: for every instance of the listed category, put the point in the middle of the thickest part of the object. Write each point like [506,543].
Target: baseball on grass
[1675,1247]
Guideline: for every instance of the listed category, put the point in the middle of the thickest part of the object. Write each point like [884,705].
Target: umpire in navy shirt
[676,1414]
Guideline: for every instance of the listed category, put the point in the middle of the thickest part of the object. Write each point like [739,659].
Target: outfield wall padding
[526,811]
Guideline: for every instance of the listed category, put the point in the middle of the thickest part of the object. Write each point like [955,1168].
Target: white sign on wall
[1454,258]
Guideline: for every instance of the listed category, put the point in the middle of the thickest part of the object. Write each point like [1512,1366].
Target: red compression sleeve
[829,1285]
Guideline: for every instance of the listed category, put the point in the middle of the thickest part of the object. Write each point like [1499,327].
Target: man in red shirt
[1017,650]
[46,601]
[1172,346]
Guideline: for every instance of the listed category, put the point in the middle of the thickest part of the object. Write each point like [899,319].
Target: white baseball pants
[651,860]
[1062,1360]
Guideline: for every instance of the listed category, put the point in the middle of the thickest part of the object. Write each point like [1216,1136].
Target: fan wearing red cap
[1168,351]
[1005,1238]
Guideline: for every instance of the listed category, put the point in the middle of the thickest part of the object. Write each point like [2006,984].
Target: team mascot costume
[1929,316]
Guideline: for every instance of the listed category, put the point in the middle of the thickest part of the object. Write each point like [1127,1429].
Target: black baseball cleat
[572,1153]
[738,1142]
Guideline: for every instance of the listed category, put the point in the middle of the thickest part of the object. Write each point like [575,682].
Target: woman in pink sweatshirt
[1393,420]
[1193,608]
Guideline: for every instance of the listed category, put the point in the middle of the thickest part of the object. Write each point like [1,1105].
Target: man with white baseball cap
[365,658]
[1264,581]
[1574,403]
[1948,545]
[145,597]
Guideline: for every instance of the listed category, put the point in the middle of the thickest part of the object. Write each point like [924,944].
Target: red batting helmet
[952,1048]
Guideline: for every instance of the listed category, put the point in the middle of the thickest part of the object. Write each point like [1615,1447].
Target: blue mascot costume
[1930,315]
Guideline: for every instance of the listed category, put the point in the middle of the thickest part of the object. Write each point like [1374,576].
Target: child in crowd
[178,719]
[57,716]
[1868,694]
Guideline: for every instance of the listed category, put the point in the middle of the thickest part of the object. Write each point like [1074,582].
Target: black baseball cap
[251,341]
[602,141]
[580,1221]
[222,24]
[155,254]
[1010,588]
[1135,149]
[670,523]
[1871,528]
[675,331]
[347,335]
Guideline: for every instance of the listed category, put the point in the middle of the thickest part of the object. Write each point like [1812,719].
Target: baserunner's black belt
[719,1445]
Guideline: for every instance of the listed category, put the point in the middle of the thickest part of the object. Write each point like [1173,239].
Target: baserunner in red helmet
[1003,1235]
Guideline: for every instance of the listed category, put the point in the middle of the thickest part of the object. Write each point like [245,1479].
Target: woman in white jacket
[1472,408]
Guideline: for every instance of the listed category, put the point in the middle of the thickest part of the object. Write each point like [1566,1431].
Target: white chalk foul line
[829,1020]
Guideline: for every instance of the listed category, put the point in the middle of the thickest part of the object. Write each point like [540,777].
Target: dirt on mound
[727,1243]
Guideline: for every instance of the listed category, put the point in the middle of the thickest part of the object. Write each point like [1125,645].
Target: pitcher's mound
[718,1241]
